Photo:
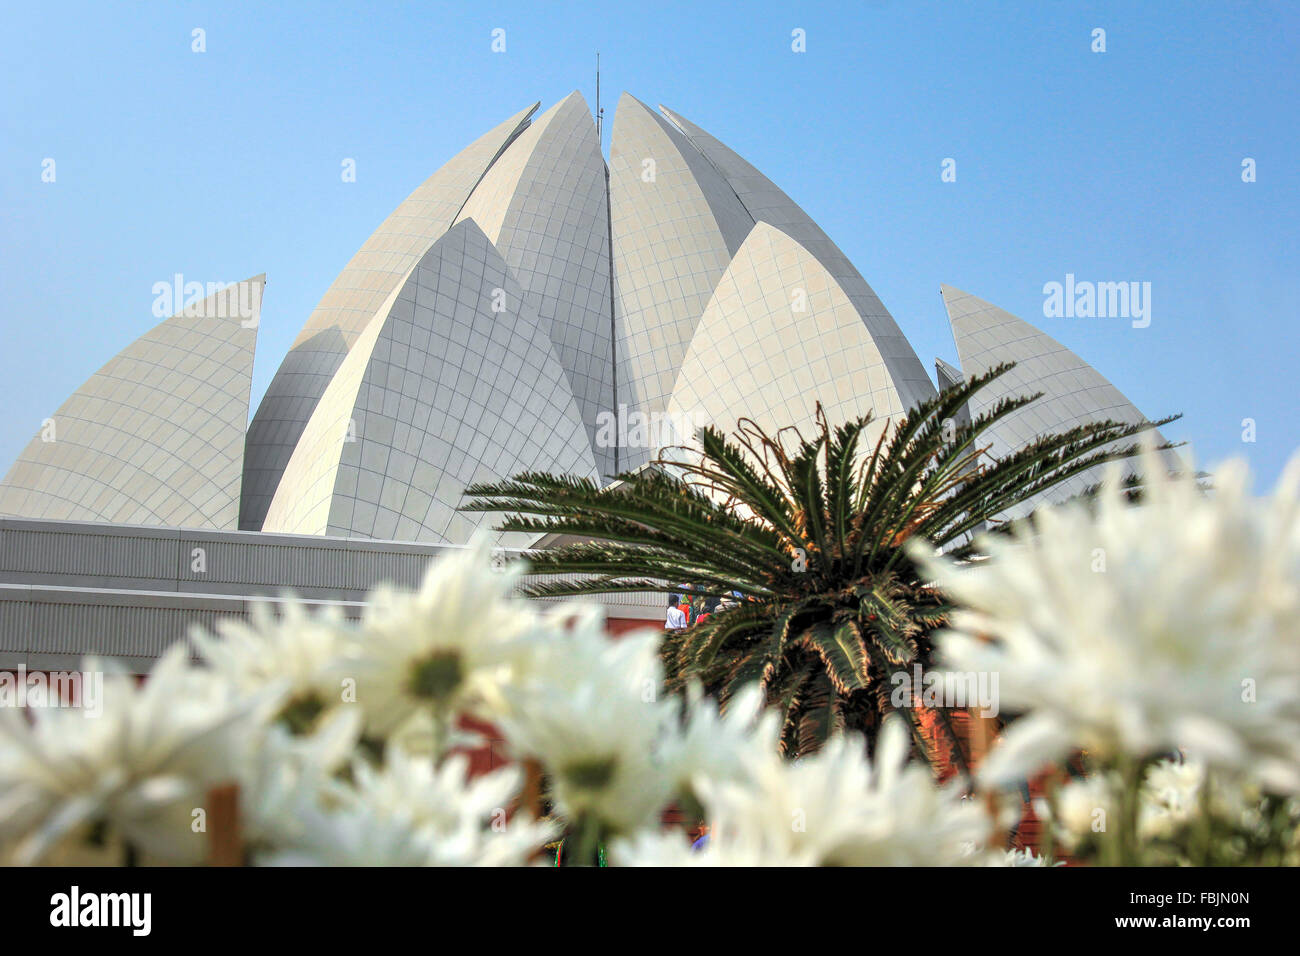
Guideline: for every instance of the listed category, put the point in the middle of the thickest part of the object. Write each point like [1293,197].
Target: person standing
[684,602]
[676,619]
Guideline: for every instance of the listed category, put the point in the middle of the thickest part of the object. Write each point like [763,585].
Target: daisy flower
[1137,630]
[137,773]
[409,813]
[832,808]
[443,649]
[295,650]
[588,708]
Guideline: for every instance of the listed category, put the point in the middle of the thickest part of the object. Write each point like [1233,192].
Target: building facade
[529,307]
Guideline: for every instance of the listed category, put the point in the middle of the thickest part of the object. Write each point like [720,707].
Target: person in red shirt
[710,605]
[684,602]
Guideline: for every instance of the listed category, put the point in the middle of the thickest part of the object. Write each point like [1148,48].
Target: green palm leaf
[812,531]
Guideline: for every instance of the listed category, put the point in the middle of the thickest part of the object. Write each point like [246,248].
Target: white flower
[136,773]
[588,708]
[447,647]
[1083,807]
[1023,858]
[1168,798]
[720,747]
[296,650]
[409,814]
[833,808]
[1145,629]
[284,775]
[1173,796]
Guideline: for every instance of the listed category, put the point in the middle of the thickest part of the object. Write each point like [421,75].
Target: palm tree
[813,538]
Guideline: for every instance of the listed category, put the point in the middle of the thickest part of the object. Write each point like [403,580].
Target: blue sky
[1123,165]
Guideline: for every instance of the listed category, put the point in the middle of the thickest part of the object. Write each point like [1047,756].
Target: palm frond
[811,530]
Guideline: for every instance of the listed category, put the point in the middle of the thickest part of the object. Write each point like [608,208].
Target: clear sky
[1116,166]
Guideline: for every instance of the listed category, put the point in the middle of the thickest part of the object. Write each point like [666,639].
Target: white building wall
[348,305]
[1074,393]
[156,436]
[441,391]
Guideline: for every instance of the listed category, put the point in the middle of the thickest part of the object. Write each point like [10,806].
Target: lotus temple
[530,307]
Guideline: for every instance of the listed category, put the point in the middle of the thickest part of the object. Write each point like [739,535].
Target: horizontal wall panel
[69,589]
